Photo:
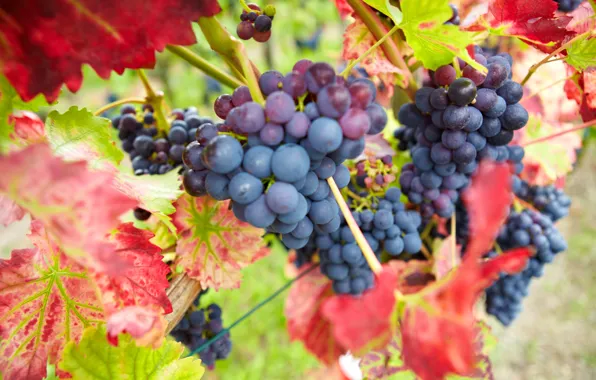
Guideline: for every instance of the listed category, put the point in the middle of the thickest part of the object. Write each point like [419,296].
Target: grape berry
[256,24]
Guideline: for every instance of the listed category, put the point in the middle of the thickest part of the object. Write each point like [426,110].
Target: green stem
[118,103]
[155,99]
[246,7]
[456,67]
[563,132]
[378,29]
[202,64]
[233,52]
[352,64]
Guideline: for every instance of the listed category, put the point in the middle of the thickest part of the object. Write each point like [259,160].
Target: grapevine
[410,185]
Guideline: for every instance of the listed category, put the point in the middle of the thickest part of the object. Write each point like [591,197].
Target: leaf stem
[561,133]
[117,103]
[155,99]
[546,59]
[378,29]
[204,65]
[353,63]
[368,253]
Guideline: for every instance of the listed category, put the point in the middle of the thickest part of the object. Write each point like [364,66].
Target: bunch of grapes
[387,227]
[256,24]
[458,123]
[375,174]
[273,161]
[198,326]
[549,200]
[568,5]
[152,151]
[524,229]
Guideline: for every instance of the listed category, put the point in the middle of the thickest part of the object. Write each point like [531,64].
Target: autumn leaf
[343,8]
[213,245]
[46,299]
[28,128]
[9,211]
[306,323]
[93,358]
[45,45]
[446,257]
[146,325]
[552,159]
[77,206]
[364,323]
[387,363]
[386,8]
[78,135]
[582,89]
[143,282]
[533,21]
[155,193]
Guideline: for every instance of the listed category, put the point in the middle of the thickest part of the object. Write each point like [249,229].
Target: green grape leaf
[582,53]
[434,43]
[385,7]
[78,135]
[94,358]
[9,102]
[51,372]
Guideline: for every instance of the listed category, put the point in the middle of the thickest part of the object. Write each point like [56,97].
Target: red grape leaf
[357,40]
[533,21]
[214,245]
[9,211]
[46,300]
[45,44]
[146,325]
[76,207]
[446,257]
[364,323]
[144,281]
[584,93]
[306,323]
[387,362]
[492,182]
[28,128]
[343,8]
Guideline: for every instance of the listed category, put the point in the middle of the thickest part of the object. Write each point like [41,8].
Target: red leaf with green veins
[364,323]
[77,206]
[143,282]
[533,21]
[46,43]
[46,299]
[213,245]
[306,322]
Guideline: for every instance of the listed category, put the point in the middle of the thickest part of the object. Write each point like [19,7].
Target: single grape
[245,30]
[298,125]
[282,198]
[258,213]
[222,154]
[144,145]
[422,99]
[178,135]
[290,163]
[363,93]
[245,188]
[378,118]
[241,95]
[262,36]
[270,81]
[194,182]
[497,75]
[333,100]
[444,75]
[456,117]
[271,134]
[279,107]
[217,186]
[176,152]
[438,98]
[192,156]
[325,134]
[206,133]
[302,66]
[514,118]
[498,109]
[490,127]
[462,91]
[294,85]
[257,161]
[318,76]
[355,123]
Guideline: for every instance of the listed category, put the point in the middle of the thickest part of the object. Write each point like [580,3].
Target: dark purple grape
[128,109]
[241,95]
[456,117]
[511,91]
[194,182]
[363,93]
[444,75]
[378,118]
[141,214]
[333,100]
[355,123]
[270,81]
[144,145]
[438,98]
[148,118]
[248,118]
[178,135]
[176,152]
[486,99]
[280,107]
[245,30]
[497,75]
[294,85]
[128,123]
[302,66]
[271,134]
[474,75]
[263,23]
[162,145]
[514,118]
[453,139]
[504,137]
[222,106]
[161,158]
[192,156]
[318,76]
[462,91]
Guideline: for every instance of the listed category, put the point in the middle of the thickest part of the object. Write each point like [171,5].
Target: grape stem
[353,63]
[561,133]
[233,52]
[117,103]
[368,253]
[246,7]
[546,59]
[155,99]
[205,66]
[456,67]
[378,29]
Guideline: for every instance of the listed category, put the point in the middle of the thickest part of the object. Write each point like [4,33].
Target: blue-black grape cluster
[153,152]
[200,325]
[522,229]
[457,123]
[549,200]
[273,161]
[568,5]
[387,227]
[256,24]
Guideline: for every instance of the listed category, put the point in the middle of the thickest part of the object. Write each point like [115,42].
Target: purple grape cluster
[273,161]
[387,227]
[256,24]
[457,123]
[150,151]
[549,200]
[568,5]
[524,229]
[197,327]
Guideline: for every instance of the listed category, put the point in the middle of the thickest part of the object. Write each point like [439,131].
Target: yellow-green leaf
[385,7]
[78,135]
[94,358]
[434,43]
[582,53]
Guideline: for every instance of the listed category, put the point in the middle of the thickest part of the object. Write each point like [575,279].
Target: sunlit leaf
[582,53]
[385,7]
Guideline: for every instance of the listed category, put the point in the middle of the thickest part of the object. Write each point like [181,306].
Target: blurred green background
[554,337]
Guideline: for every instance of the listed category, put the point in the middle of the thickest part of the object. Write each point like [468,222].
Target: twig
[155,99]
[563,132]
[207,67]
[368,253]
[117,103]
